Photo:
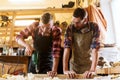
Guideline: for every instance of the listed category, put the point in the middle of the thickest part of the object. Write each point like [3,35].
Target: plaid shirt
[95,39]
[56,33]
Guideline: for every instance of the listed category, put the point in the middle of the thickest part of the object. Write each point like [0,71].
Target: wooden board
[61,76]
[111,70]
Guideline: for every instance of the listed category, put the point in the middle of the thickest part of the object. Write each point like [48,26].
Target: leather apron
[43,46]
[80,59]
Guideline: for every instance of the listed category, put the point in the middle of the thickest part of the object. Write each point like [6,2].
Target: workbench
[15,61]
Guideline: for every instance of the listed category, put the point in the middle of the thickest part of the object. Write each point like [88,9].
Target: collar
[84,29]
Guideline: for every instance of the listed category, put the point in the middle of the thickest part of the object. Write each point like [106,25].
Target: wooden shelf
[37,11]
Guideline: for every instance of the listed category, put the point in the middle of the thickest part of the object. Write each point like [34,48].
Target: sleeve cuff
[56,55]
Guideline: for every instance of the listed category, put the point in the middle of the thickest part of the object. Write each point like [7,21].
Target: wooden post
[12,29]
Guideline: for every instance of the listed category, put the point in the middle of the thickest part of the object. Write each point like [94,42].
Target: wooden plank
[61,76]
[37,11]
[111,70]
[12,30]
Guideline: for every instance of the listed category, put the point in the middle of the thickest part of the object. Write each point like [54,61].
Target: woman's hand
[52,73]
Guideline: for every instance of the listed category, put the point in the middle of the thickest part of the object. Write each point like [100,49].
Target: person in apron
[82,37]
[45,52]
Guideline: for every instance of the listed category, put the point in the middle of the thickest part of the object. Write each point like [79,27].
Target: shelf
[37,11]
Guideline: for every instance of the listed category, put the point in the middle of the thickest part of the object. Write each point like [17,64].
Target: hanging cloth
[95,15]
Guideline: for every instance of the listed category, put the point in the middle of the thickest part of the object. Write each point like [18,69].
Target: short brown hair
[79,13]
[46,17]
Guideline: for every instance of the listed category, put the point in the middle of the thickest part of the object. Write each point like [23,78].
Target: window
[116,19]
[23,22]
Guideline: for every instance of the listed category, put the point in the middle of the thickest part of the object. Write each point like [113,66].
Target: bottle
[11,50]
[7,50]
[4,50]
[19,51]
[23,51]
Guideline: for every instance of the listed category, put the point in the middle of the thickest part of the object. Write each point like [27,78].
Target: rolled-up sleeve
[96,37]
[68,38]
[56,42]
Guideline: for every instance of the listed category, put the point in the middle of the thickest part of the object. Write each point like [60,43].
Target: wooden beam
[36,11]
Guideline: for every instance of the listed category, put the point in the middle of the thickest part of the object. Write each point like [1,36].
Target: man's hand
[88,74]
[28,50]
[52,73]
[70,74]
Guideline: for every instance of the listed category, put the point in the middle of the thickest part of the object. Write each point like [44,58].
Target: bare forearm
[65,59]
[94,59]
[55,64]
[22,42]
